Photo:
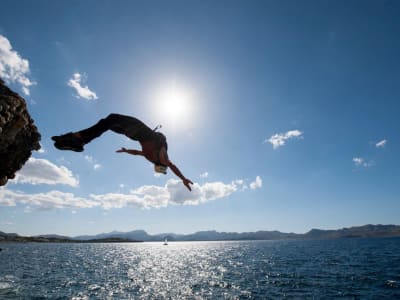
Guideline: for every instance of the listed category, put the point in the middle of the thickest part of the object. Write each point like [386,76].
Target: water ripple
[362,268]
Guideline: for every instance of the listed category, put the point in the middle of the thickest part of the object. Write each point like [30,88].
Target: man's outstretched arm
[163,155]
[130,151]
[178,173]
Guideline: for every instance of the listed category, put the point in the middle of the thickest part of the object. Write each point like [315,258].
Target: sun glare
[174,104]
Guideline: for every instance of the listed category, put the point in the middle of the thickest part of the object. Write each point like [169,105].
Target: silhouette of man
[154,144]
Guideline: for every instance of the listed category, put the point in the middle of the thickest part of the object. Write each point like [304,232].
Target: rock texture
[18,135]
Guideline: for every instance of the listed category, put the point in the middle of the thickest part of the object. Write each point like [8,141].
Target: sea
[325,269]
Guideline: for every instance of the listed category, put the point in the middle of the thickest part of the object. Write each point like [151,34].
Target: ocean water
[340,269]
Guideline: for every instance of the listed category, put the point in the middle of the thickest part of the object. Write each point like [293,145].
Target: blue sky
[284,114]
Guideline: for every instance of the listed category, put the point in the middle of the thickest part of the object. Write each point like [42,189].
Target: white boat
[165,242]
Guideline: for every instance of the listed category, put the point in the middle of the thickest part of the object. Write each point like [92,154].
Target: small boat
[165,242]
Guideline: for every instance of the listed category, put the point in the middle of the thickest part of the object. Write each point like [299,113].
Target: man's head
[160,168]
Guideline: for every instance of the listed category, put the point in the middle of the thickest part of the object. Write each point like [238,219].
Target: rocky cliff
[18,134]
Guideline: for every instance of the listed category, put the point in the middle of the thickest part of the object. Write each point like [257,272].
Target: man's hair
[161,140]
[159,168]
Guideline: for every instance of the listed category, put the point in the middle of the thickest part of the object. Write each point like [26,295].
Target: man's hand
[121,150]
[130,151]
[186,182]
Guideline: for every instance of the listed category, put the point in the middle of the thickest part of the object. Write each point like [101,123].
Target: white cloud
[361,162]
[216,190]
[239,181]
[14,68]
[148,196]
[256,183]
[119,200]
[93,162]
[49,200]
[89,158]
[204,175]
[172,193]
[82,91]
[42,150]
[358,161]
[279,139]
[381,144]
[6,199]
[42,171]
[57,199]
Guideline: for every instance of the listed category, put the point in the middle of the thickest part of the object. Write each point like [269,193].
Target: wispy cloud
[361,162]
[241,183]
[381,144]
[358,161]
[279,139]
[148,196]
[41,171]
[82,91]
[256,183]
[93,162]
[14,68]
[204,175]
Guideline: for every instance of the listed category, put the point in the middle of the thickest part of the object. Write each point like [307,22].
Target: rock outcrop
[18,135]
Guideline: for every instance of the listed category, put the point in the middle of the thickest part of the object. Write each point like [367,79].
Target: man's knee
[114,116]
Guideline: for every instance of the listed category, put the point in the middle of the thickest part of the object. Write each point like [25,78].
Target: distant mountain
[198,236]
[52,238]
[111,240]
[212,235]
[168,236]
[227,236]
[55,236]
[3,234]
[139,235]
[354,232]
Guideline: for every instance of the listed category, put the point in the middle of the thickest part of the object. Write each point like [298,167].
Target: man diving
[154,144]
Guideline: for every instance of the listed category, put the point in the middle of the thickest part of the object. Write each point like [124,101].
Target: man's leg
[126,125]
[129,126]
[112,121]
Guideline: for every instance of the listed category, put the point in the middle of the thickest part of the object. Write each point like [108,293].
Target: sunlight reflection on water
[201,270]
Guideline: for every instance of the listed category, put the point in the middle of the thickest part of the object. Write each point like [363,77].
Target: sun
[174,104]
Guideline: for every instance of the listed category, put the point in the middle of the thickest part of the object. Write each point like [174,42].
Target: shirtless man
[154,144]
